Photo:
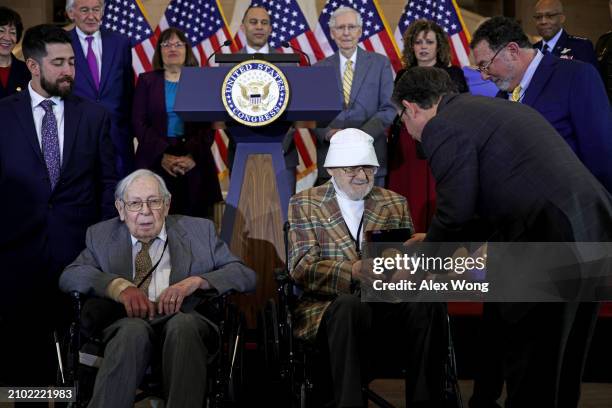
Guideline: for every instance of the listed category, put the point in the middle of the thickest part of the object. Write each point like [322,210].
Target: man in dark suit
[549,19]
[569,94]
[56,179]
[104,74]
[172,256]
[365,87]
[513,177]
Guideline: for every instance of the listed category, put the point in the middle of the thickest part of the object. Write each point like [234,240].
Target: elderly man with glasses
[151,263]
[569,94]
[327,226]
[365,83]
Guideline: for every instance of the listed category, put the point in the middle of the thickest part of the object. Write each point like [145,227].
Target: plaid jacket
[321,250]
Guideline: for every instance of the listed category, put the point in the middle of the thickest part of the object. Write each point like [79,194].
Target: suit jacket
[511,175]
[193,245]
[572,47]
[370,108]
[115,93]
[18,79]
[571,96]
[321,250]
[44,229]
[150,124]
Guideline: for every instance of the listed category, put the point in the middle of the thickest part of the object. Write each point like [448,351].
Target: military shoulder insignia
[255,93]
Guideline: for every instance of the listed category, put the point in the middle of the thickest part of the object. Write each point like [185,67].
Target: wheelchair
[290,361]
[83,354]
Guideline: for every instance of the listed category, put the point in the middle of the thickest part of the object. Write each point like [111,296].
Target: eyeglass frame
[352,28]
[485,68]
[169,45]
[140,203]
[352,171]
[548,16]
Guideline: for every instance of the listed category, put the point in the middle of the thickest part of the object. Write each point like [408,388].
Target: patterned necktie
[92,62]
[347,81]
[50,142]
[143,265]
[545,49]
[516,94]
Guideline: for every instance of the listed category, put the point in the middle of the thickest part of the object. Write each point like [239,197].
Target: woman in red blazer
[176,150]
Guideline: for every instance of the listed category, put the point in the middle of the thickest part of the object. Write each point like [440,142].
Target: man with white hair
[104,74]
[365,81]
[151,263]
[327,225]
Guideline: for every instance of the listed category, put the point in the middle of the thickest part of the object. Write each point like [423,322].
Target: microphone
[287,45]
[225,44]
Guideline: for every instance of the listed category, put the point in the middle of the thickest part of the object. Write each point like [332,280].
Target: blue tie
[50,142]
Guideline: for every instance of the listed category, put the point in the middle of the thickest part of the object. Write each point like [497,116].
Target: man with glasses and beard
[327,224]
[57,177]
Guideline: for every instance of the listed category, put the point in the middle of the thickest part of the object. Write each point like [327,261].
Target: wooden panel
[257,236]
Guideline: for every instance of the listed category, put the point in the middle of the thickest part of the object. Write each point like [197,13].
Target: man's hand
[362,271]
[172,297]
[136,303]
[168,163]
[183,164]
[416,237]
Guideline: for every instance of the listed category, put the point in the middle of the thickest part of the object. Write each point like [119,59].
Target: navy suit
[44,229]
[18,79]
[572,47]
[572,98]
[115,93]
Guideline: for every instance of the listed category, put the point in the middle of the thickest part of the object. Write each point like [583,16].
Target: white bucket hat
[351,147]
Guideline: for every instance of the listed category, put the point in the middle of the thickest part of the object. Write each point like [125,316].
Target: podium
[259,191]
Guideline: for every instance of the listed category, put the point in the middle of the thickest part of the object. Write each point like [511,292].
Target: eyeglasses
[152,203]
[352,28]
[353,171]
[167,44]
[548,16]
[86,10]
[485,67]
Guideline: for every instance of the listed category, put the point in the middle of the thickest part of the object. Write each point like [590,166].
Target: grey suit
[195,250]
[370,108]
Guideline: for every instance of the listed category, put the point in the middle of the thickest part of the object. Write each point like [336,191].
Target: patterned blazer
[321,250]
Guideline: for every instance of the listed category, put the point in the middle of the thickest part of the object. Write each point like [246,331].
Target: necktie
[92,62]
[50,142]
[143,265]
[545,49]
[347,81]
[516,94]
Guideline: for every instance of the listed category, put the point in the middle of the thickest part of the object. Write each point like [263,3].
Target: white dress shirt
[552,42]
[528,75]
[263,50]
[160,278]
[352,212]
[38,112]
[96,46]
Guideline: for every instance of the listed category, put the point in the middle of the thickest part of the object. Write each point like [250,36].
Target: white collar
[83,36]
[529,72]
[353,58]
[553,41]
[162,235]
[263,50]
[36,98]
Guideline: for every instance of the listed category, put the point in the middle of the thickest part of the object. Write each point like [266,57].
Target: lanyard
[154,266]
[356,241]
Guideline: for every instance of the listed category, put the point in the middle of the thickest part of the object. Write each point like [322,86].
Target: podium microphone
[225,44]
[287,45]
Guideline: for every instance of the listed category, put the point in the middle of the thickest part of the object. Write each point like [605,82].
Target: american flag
[289,24]
[376,35]
[127,17]
[447,15]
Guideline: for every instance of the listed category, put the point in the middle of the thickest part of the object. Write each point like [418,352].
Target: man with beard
[327,224]
[56,179]
[569,94]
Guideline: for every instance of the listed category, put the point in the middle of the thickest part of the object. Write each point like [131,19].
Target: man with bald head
[549,19]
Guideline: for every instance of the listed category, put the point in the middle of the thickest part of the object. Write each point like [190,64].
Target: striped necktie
[516,94]
[347,81]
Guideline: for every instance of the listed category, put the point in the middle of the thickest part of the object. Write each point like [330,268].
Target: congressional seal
[255,93]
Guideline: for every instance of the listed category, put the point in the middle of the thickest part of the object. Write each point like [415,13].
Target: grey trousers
[130,345]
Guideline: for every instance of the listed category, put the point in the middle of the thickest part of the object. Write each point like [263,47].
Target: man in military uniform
[604,57]
[549,19]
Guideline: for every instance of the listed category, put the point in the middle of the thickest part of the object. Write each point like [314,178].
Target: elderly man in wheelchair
[145,267]
[327,224]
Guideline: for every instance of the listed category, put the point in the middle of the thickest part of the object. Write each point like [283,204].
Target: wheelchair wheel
[269,337]
[236,357]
